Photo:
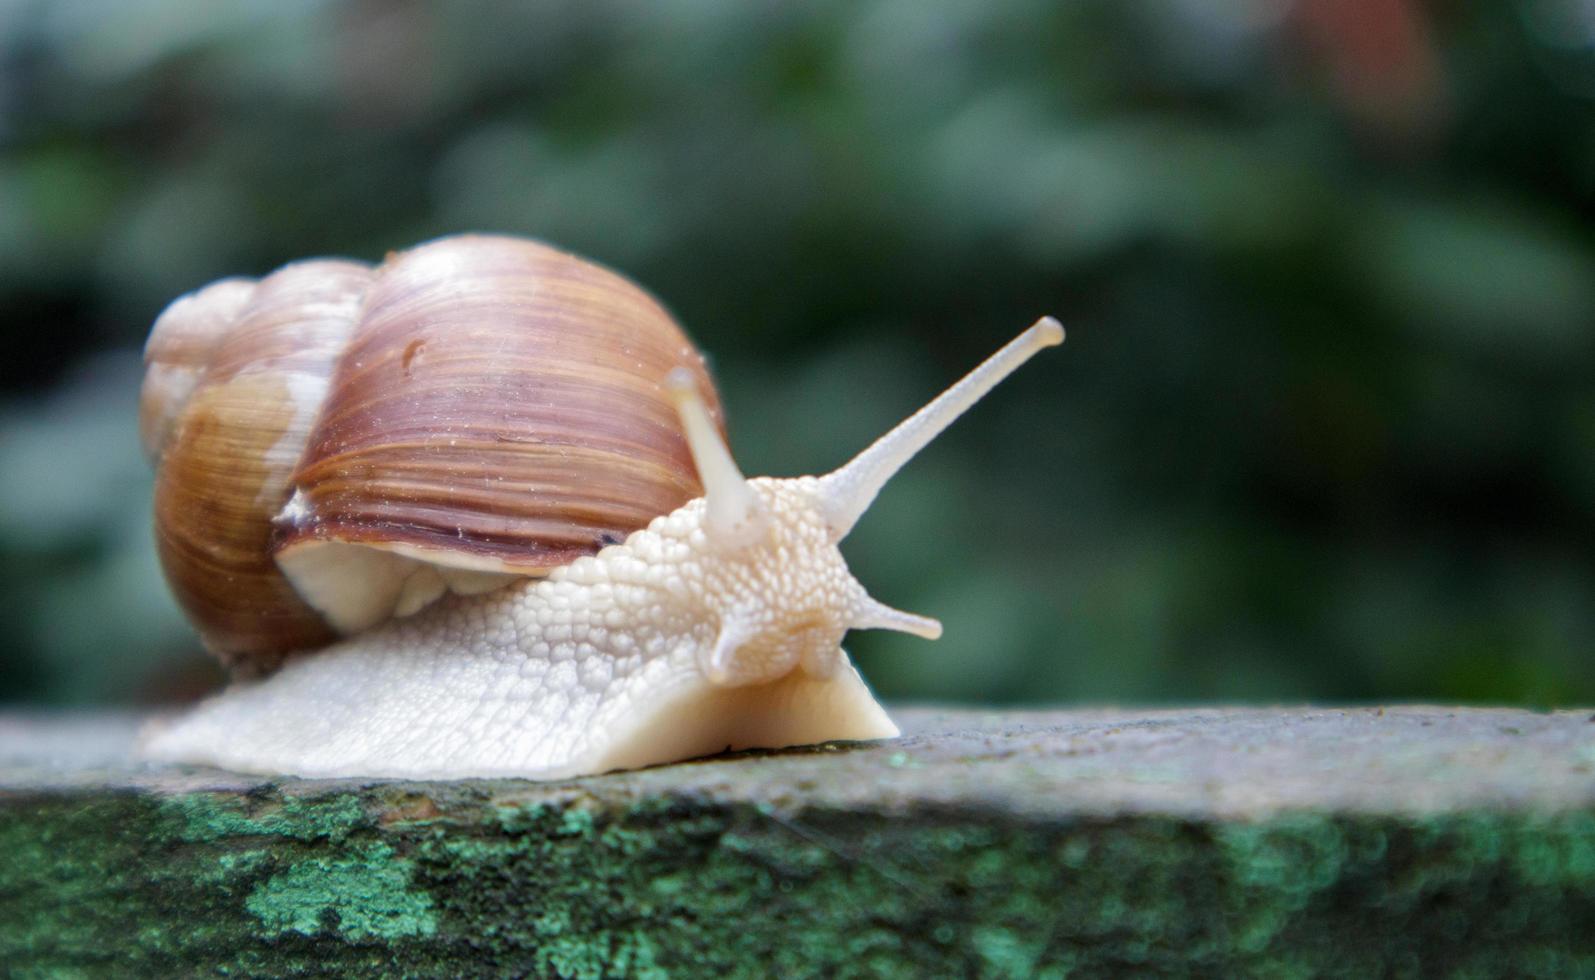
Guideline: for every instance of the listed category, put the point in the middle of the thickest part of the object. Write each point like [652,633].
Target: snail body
[559,646]
[535,680]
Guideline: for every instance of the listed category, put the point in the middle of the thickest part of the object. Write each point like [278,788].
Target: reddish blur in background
[1324,427]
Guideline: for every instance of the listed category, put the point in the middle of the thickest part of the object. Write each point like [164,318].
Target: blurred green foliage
[1324,427]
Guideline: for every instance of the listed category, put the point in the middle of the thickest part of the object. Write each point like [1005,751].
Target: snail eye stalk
[734,515]
[847,492]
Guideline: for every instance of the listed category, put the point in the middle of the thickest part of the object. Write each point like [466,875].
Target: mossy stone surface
[1264,842]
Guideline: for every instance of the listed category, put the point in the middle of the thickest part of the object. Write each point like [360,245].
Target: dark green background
[1324,427]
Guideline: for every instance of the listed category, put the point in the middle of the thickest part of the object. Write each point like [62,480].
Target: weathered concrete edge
[1236,763]
[678,874]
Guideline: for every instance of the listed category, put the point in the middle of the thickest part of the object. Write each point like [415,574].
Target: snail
[471,512]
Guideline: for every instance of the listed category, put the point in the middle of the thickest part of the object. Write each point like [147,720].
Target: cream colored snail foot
[718,625]
[613,662]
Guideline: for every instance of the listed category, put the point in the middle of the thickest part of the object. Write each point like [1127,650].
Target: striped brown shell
[339,443]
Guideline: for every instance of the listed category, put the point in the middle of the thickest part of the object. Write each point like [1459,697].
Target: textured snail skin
[598,667]
[717,626]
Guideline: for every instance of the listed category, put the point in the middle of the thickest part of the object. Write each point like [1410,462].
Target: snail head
[768,558]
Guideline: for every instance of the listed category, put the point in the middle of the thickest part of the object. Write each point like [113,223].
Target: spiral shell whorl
[177,353]
[339,444]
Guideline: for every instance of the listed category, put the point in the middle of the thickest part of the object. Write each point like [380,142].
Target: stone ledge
[1215,841]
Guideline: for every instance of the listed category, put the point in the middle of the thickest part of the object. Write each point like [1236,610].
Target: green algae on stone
[695,886]
[208,816]
[365,894]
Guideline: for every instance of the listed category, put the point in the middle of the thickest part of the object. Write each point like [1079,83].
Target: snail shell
[338,444]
